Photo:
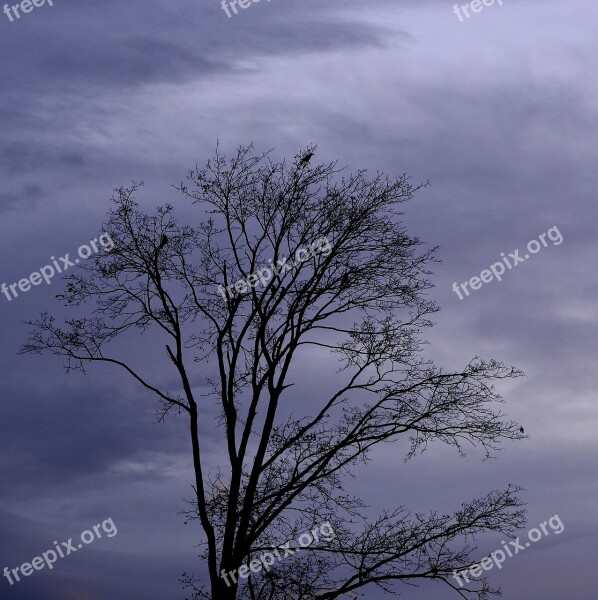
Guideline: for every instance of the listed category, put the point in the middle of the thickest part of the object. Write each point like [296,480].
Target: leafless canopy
[360,295]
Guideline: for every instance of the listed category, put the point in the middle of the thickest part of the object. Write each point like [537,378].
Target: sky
[496,110]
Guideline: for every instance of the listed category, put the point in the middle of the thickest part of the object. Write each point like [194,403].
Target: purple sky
[497,111]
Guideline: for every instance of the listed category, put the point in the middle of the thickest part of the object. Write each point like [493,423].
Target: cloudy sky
[498,111]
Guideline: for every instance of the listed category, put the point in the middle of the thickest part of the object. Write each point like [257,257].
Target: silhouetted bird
[163,242]
[306,159]
[345,280]
[522,430]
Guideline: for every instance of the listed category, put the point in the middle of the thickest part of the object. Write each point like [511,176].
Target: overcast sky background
[499,112]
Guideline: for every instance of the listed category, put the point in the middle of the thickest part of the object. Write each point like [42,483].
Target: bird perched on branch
[306,159]
[163,242]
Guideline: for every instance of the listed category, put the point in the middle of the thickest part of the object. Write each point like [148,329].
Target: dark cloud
[99,571]
[28,196]
[91,47]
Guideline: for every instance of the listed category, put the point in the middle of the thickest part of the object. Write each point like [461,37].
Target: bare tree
[289,257]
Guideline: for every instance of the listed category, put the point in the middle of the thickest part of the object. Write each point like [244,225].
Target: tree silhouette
[289,258]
